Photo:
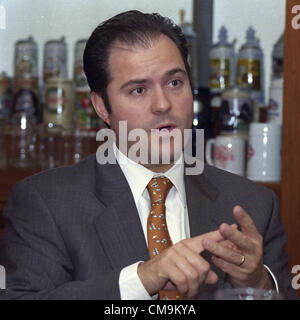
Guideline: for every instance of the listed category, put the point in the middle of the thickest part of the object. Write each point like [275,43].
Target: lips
[167,126]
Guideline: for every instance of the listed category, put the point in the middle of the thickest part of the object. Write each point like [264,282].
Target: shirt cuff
[131,287]
[273,277]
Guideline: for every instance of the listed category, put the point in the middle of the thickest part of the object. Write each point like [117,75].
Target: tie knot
[158,189]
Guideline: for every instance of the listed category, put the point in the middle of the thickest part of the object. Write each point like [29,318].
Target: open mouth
[167,126]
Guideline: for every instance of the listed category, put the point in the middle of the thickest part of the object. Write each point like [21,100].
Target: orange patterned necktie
[158,234]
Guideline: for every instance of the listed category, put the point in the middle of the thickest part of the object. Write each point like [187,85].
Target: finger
[195,270]
[230,245]
[201,268]
[178,279]
[224,253]
[204,270]
[192,276]
[229,268]
[244,220]
[195,243]
[169,286]
[211,278]
[237,237]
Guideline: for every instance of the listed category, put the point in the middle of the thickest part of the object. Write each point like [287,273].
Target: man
[85,232]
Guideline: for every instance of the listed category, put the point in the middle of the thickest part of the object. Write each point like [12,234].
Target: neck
[159,167]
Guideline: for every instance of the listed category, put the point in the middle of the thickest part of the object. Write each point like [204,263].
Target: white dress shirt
[177,217]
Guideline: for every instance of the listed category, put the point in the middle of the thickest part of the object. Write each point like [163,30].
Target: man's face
[149,88]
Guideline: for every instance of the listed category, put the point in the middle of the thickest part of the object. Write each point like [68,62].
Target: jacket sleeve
[275,256]
[274,241]
[37,262]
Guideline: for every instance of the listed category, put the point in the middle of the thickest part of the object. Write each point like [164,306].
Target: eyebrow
[143,81]
[174,71]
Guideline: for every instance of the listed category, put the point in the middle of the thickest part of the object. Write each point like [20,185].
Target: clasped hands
[239,253]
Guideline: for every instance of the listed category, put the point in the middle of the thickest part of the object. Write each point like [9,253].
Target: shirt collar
[132,169]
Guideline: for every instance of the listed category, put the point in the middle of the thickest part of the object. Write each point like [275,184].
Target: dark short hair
[131,28]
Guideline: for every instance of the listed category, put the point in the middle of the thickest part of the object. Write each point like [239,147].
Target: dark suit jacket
[71,230]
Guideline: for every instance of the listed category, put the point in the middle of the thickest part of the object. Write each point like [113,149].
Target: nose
[161,102]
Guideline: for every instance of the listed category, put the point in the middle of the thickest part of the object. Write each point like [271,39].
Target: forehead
[139,60]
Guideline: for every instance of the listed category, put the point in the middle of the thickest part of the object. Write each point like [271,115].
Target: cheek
[126,110]
[133,117]
[190,105]
[185,107]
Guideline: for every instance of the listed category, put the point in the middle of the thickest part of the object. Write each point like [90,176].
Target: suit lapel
[203,208]
[118,225]
[201,198]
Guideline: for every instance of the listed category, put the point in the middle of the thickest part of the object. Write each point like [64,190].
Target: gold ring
[243,260]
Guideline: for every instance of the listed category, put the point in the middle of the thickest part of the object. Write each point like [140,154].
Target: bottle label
[219,73]
[55,100]
[86,117]
[248,74]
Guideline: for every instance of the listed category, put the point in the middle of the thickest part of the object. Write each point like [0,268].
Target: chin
[165,154]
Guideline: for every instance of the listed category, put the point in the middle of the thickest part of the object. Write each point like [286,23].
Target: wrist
[266,281]
[262,281]
[146,279]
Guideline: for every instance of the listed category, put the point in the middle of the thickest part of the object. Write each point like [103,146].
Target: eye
[138,91]
[175,83]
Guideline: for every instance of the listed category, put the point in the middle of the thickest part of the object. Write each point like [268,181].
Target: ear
[99,107]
